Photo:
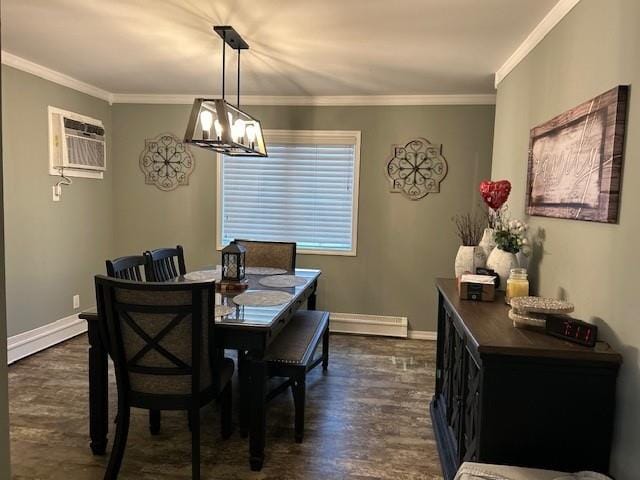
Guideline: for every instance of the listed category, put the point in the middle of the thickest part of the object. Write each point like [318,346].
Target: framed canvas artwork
[575,161]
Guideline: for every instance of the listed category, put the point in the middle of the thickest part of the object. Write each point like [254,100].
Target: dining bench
[292,355]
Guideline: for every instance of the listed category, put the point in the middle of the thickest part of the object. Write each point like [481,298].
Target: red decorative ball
[495,194]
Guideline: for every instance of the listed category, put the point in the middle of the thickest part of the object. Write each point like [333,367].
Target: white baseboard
[33,341]
[423,335]
[368,324]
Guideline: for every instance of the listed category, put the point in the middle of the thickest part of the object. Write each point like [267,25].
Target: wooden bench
[291,355]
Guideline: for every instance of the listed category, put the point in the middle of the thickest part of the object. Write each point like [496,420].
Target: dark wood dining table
[247,329]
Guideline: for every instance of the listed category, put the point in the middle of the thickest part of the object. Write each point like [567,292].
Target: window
[305,191]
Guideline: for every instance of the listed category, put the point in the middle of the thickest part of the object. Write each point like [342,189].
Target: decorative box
[477,287]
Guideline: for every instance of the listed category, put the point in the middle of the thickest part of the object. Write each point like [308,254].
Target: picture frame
[576,159]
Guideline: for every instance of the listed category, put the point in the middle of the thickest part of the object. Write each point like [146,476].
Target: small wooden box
[480,288]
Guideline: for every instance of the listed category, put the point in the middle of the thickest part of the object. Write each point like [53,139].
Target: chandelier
[217,125]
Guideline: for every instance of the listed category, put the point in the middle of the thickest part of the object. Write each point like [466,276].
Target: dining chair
[126,268]
[161,340]
[130,268]
[163,264]
[269,254]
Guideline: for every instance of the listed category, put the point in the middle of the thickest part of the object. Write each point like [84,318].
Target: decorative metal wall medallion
[416,169]
[166,162]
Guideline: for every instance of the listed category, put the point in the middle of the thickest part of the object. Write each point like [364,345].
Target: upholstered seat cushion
[482,471]
[296,343]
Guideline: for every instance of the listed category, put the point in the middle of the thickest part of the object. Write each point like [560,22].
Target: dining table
[247,329]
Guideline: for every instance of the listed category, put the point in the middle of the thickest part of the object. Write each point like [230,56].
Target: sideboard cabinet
[518,397]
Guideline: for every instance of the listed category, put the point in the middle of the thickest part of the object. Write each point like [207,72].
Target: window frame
[351,137]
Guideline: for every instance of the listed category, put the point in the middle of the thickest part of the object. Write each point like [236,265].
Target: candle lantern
[233,266]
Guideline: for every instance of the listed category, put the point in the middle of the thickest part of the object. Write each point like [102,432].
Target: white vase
[487,243]
[468,259]
[502,262]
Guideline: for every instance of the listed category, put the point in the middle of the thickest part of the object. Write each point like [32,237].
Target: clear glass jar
[517,284]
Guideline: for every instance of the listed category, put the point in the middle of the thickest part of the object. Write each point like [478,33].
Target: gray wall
[402,245]
[52,249]
[593,49]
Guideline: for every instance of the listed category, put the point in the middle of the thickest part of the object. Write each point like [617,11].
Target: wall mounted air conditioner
[77,144]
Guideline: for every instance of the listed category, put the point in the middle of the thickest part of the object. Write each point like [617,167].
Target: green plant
[511,236]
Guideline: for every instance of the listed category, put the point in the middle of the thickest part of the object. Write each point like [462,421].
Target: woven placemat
[204,275]
[223,310]
[264,271]
[540,305]
[282,281]
[262,298]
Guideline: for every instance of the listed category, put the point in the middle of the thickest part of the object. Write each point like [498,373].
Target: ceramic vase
[487,243]
[502,262]
[468,259]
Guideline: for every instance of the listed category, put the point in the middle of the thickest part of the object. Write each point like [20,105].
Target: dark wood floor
[367,418]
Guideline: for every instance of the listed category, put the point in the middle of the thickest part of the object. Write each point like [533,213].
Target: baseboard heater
[369,324]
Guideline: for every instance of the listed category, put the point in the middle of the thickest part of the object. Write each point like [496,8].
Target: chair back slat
[269,254]
[161,335]
[164,264]
[126,268]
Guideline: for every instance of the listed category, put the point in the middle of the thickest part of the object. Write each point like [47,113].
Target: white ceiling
[298,47]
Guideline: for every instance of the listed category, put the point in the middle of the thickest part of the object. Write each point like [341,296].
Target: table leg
[243,380]
[98,391]
[258,411]
[311,301]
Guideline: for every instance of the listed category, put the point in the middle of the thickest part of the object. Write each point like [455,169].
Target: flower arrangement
[511,236]
[469,228]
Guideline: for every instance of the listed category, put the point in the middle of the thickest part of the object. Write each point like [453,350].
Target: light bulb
[218,128]
[251,134]
[239,126]
[206,120]
[235,134]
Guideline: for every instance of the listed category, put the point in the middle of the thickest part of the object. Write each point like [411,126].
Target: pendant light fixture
[217,125]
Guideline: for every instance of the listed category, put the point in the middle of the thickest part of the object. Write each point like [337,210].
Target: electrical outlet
[57,193]
[76,301]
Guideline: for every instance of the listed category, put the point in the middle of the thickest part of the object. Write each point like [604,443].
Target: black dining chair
[161,340]
[130,268]
[163,264]
[269,254]
[126,268]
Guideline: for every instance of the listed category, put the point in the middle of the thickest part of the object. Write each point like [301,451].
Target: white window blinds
[305,191]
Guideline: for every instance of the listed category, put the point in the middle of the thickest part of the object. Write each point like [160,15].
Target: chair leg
[119,443]
[325,350]
[226,411]
[298,388]
[154,421]
[194,416]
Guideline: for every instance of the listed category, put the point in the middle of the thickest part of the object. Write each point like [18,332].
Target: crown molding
[337,100]
[271,100]
[54,76]
[551,19]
